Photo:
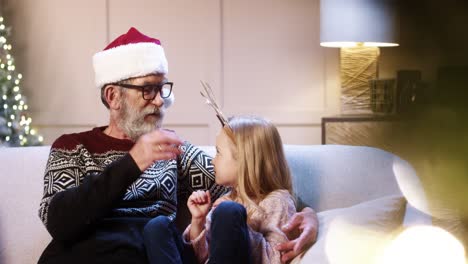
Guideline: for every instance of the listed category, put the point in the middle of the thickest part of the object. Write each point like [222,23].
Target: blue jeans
[229,241]
[163,243]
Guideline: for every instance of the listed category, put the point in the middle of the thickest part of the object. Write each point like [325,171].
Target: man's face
[138,116]
[225,165]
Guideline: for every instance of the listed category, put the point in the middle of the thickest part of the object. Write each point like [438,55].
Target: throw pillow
[356,234]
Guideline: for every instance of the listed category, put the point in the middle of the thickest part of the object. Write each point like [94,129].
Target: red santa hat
[133,54]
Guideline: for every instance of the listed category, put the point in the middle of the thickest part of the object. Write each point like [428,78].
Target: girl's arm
[199,243]
[305,223]
[196,227]
[278,207]
[199,205]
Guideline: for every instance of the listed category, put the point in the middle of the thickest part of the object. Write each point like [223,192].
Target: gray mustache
[156,112]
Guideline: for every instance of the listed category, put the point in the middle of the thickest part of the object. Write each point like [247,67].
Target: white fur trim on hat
[128,61]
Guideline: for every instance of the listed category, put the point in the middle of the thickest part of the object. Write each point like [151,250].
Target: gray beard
[133,123]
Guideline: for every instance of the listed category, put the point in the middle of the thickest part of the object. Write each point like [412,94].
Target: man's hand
[157,145]
[305,223]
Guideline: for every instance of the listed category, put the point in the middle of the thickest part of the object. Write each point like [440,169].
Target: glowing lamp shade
[349,23]
[424,244]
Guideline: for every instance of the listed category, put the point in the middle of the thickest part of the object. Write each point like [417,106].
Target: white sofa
[325,177]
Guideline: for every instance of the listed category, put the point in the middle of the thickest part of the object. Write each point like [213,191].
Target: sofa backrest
[334,176]
[324,177]
[22,235]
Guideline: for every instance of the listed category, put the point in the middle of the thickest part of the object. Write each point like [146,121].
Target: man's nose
[158,100]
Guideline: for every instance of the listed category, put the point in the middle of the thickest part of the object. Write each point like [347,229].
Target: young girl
[244,225]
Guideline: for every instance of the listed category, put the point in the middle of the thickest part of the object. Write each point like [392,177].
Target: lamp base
[358,66]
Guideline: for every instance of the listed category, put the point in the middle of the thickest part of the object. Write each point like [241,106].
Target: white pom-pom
[169,101]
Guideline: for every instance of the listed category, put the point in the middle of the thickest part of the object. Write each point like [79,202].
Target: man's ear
[112,96]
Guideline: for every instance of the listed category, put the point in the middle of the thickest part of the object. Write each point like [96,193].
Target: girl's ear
[113,97]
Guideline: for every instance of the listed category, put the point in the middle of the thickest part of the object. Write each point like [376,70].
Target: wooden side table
[358,130]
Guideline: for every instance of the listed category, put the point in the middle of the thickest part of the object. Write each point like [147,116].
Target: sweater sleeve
[199,244]
[196,173]
[278,208]
[74,200]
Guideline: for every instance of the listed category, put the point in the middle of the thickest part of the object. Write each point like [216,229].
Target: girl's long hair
[262,165]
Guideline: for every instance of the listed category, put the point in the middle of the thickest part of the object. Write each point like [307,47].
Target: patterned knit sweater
[264,230]
[90,179]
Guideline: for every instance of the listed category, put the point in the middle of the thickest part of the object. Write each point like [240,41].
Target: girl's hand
[199,204]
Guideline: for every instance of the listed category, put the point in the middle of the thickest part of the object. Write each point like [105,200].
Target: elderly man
[102,187]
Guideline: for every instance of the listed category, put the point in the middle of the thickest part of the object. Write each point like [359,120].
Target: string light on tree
[16,127]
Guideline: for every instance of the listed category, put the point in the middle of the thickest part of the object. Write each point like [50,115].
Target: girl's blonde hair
[261,160]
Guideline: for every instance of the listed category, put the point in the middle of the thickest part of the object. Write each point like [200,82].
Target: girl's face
[225,165]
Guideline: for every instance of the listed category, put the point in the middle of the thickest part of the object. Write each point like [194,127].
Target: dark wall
[434,133]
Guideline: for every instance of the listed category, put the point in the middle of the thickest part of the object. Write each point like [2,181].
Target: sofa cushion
[356,234]
[334,176]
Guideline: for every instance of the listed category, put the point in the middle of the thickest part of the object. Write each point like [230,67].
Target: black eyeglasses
[150,91]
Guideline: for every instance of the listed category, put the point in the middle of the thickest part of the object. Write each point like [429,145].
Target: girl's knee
[229,211]
[157,225]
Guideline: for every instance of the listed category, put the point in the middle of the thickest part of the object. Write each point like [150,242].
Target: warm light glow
[41,139]
[357,44]
[424,244]
[345,241]
[23,121]
[410,185]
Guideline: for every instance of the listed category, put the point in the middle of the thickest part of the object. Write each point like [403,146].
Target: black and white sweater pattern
[90,176]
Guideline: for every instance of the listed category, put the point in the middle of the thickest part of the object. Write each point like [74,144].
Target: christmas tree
[15,124]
